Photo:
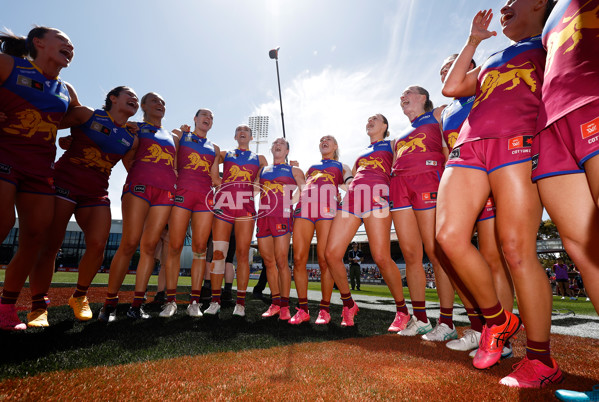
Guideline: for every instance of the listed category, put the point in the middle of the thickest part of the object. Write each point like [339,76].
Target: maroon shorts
[230,206]
[564,147]
[153,195]
[25,182]
[492,153]
[314,211]
[488,211]
[273,226]
[363,199]
[194,201]
[71,194]
[417,191]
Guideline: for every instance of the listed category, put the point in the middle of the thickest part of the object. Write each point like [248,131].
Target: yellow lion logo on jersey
[373,162]
[494,79]
[157,154]
[92,157]
[32,122]
[196,161]
[237,173]
[316,175]
[273,187]
[417,142]
[571,33]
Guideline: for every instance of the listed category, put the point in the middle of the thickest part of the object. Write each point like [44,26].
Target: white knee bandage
[199,256]
[219,260]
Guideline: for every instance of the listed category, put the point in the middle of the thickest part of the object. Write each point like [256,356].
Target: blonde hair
[336,152]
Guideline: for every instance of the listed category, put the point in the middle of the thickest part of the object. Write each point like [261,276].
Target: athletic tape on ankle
[219,264]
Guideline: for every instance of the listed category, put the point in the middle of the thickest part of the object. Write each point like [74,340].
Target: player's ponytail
[386,122]
[20,46]
[428,104]
[336,153]
[13,45]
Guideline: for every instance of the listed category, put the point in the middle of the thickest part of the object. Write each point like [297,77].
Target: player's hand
[294,163]
[132,127]
[185,128]
[65,142]
[480,24]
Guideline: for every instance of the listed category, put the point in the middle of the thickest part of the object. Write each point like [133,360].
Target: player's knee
[380,258]
[220,249]
[321,258]
[281,261]
[411,256]
[332,256]
[443,238]
[269,262]
[199,256]
[128,248]
[96,243]
[515,256]
[299,259]
[199,248]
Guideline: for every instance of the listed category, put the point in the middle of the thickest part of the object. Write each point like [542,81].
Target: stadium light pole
[274,54]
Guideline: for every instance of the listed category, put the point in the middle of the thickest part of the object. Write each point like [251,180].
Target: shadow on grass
[570,321]
[70,344]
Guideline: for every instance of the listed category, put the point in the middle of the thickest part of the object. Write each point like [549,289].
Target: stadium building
[73,247]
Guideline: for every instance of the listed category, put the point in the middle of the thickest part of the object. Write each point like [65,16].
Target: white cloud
[332,102]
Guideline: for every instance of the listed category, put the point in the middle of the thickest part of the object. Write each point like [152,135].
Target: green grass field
[255,358]
[69,344]
[580,307]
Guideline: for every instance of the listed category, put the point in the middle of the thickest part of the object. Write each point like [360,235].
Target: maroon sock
[325,305]
[494,315]
[476,319]
[446,317]
[401,307]
[39,302]
[303,303]
[539,351]
[9,297]
[112,300]
[276,299]
[419,310]
[347,300]
[241,297]
[284,301]
[195,296]
[171,295]
[215,296]
[138,299]
[80,291]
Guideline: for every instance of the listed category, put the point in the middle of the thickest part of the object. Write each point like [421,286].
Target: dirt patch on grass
[375,368]
[60,296]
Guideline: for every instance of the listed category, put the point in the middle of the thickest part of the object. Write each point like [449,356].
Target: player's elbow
[448,90]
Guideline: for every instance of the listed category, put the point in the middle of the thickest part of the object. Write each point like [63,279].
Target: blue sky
[340,60]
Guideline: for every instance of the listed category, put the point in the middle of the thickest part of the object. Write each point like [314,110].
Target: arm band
[348,177]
